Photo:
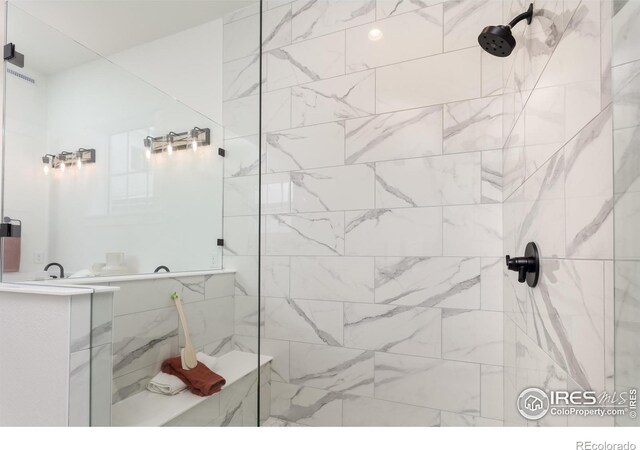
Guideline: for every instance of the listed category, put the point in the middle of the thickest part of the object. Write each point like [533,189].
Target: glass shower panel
[130,152]
[626,140]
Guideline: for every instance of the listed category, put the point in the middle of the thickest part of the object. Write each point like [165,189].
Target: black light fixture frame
[179,141]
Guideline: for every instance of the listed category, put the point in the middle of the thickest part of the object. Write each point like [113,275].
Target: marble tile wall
[381,211]
[558,190]
[626,129]
[146,327]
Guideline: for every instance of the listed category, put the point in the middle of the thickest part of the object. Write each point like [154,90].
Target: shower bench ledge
[148,409]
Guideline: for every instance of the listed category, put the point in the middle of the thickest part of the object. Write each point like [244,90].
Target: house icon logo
[533,403]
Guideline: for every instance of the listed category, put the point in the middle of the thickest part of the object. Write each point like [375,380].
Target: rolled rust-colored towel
[200,380]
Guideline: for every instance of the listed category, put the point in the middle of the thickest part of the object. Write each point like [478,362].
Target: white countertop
[137,276]
[148,409]
[45,289]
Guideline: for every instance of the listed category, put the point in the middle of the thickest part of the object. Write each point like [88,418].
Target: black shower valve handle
[520,265]
[528,266]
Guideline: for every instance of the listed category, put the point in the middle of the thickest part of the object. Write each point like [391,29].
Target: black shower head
[498,40]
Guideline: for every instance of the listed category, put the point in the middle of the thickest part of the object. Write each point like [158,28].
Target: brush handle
[190,359]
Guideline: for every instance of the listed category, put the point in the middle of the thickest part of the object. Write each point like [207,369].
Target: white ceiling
[104,26]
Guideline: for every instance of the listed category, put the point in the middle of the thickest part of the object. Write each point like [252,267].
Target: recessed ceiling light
[375,34]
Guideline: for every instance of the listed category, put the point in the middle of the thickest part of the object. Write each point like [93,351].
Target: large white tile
[473,336]
[245,316]
[143,339]
[276,193]
[464,19]
[307,61]
[434,383]
[491,184]
[242,156]
[274,274]
[404,134]
[348,279]
[338,98]
[333,189]
[305,405]
[241,38]
[568,319]
[433,181]
[241,235]
[626,160]
[241,116]
[627,217]
[472,230]
[208,321]
[589,190]
[394,232]
[311,19]
[410,36]
[388,8]
[315,322]
[143,295]
[369,412]
[449,419]
[491,391]
[625,33]
[240,78]
[473,125]
[241,196]
[246,276]
[451,282]
[491,281]
[306,148]
[429,81]
[407,330]
[276,27]
[536,211]
[306,234]
[276,110]
[332,368]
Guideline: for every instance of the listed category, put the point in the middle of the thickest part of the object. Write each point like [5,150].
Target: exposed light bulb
[147,153]
[45,168]
[194,145]
[79,163]
[375,34]
[170,149]
[62,166]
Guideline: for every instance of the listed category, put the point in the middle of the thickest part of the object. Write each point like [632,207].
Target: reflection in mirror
[112,163]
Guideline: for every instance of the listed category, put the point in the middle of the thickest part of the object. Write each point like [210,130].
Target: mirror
[112,162]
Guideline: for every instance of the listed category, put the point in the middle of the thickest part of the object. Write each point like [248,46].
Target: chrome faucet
[46,268]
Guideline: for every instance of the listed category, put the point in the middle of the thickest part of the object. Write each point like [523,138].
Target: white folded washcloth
[166,384]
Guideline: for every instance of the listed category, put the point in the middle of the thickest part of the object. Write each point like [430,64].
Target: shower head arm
[528,15]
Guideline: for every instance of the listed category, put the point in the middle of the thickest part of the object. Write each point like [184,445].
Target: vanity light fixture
[192,139]
[61,160]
